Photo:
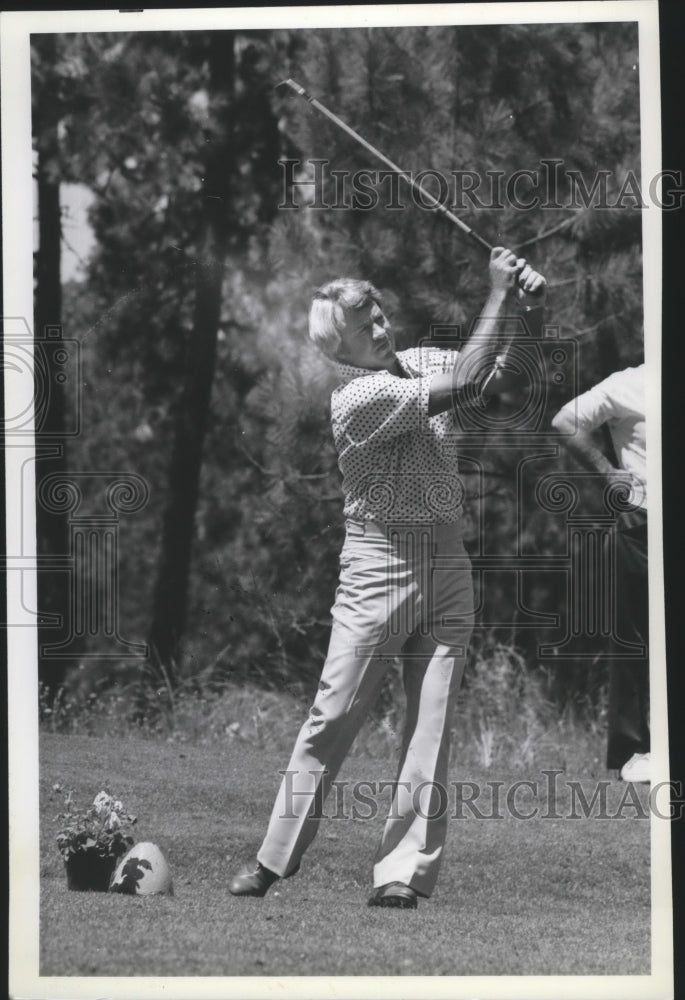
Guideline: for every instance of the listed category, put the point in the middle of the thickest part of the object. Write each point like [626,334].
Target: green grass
[537,897]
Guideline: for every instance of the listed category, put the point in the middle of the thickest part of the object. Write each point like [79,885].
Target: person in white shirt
[619,403]
[405,588]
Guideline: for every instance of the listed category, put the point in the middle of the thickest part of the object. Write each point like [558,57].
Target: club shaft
[431,199]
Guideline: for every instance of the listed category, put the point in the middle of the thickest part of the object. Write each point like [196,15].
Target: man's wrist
[498,296]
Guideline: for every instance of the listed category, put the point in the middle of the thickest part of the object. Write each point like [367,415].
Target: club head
[293,86]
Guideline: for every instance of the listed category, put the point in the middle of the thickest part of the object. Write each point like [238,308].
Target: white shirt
[619,402]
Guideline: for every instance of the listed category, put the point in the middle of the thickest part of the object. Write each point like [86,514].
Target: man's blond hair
[326,316]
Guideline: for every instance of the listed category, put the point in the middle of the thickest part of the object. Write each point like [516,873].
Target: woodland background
[193,370]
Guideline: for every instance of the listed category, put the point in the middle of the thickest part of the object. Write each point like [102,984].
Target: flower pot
[89,871]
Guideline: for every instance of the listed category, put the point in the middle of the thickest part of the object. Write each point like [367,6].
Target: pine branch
[294,477]
[547,233]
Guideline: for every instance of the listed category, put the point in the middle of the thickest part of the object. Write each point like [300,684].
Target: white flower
[118,806]
[113,822]
[102,802]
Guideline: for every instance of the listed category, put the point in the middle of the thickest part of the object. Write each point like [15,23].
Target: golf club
[434,202]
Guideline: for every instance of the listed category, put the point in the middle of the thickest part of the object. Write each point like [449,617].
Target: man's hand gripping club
[479,370]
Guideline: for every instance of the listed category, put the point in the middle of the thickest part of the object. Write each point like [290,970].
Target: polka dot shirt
[399,464]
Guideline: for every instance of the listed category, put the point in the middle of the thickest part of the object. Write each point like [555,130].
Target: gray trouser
[403,591]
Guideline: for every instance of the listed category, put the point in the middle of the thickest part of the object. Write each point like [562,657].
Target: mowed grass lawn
[534,897]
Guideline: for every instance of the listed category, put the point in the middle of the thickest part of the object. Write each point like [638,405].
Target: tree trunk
[171,589]
[52,528]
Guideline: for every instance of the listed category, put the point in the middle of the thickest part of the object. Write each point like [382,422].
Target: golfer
[405,588]
[619,403]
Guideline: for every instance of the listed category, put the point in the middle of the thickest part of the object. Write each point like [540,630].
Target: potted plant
[92,840]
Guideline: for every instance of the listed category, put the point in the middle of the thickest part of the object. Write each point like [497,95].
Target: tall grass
[508,715]
[505,715]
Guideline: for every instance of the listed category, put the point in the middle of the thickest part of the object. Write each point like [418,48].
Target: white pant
[403,592]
